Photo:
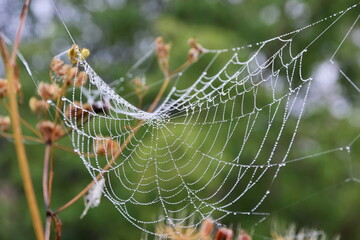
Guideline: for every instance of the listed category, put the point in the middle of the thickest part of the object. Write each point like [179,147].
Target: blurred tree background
[118,32]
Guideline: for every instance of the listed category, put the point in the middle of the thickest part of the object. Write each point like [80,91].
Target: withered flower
[162,52]
[4,123]
[194,44]
[81,79]
[49,91]
[78,111]
[106,146]
[50,131]
[38,105]
[195,51]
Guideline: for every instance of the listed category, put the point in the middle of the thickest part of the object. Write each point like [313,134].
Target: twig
[45,187]
[19,31]
[4,53]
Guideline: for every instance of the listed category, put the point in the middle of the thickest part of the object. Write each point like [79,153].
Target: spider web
[211,149]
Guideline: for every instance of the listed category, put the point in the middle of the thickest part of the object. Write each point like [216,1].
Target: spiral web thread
[180,159]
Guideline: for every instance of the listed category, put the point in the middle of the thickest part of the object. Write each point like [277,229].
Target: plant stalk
[21,154]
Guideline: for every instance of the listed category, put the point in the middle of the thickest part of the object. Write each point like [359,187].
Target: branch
[19,32]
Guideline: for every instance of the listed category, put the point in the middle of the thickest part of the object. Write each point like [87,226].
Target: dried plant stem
[21,154]
[159,95]
[19,31]
[45,186]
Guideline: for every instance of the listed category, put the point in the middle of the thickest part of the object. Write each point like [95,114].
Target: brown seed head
[56,64]
[38,105]
[3,87]
[106,146]
[4,123]
[193,55]
[71,75]
[81,79]
[162,49]
[49,91]
[50,131]
[194,44]
[77,111]
[224,234]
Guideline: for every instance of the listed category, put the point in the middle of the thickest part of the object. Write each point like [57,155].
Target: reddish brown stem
[19,31]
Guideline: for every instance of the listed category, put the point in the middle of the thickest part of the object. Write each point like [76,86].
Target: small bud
[106,146]
[50,131]
[4,123]
[193,55]
[3,87]
[162,52]
[224,234]
[74,53]
[38,106]
[207,226]
[49,91]
[85,52]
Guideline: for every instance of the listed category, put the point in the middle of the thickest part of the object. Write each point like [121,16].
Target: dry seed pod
[77,111]
[106,146]
[3,87]
[64,70]
[49,91]
[162,52]
[71,75]
[37,105]
[194,44]
[193,55]
[81,79]
[50,131]
[4,123]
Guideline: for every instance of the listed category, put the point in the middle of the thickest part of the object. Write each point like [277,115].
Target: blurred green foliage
[306,192]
